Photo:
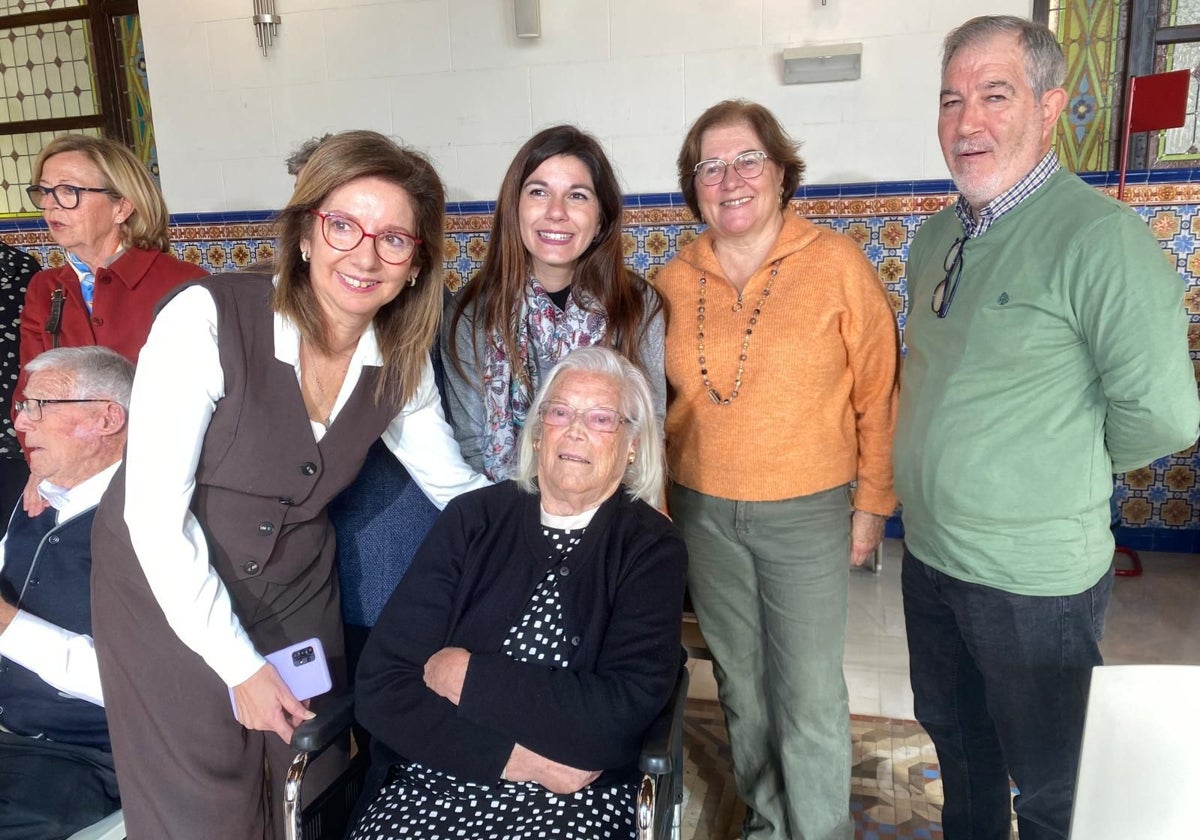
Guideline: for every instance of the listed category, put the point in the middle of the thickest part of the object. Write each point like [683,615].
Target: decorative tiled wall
[1159,505]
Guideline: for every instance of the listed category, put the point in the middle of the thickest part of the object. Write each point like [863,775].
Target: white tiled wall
[451,77]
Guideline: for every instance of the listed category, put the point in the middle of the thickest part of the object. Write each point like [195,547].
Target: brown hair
[498,289]
[407,326]
[778,145]
[296,160]
[124,177]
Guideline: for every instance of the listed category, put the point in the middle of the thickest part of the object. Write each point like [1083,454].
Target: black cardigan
[622,597]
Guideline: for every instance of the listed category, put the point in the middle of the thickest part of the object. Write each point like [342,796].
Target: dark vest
[263,482]
[48,568]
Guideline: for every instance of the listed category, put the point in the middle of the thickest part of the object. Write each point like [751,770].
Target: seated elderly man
[56,770]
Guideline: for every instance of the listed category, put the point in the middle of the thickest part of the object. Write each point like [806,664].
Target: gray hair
[1045,66]
[297,159]
[97,373]
[643,478]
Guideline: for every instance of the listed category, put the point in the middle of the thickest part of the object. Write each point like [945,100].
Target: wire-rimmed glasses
[748,164]
[597,418]
[943,292]
[33,407]
[394,247]
[65,195]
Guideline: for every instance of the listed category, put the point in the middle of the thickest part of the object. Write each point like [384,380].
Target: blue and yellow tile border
[1159,505]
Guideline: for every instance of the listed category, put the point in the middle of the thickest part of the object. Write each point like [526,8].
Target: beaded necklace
[737,307]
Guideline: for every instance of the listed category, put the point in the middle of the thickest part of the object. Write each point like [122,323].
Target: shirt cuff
[237,664]
[33,643]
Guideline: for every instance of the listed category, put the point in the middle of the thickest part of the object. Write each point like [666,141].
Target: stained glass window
[53,83]
[1092,34]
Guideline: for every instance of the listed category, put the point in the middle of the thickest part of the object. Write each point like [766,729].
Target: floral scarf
[545,334]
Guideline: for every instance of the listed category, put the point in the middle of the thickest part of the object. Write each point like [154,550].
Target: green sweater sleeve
[1128,301]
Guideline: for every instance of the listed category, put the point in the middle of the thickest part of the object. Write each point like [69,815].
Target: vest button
[308,468]
[99,322]
[564,570]
[251,567]
[284,500]
[104,280]
[54,539]
[265,528]
[34,581]
[575,640]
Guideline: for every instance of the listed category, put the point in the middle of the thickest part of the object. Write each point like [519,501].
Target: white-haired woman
[536,635]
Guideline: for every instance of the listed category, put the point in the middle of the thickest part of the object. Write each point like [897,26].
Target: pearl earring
[304,256]
[412,281]
[632,457]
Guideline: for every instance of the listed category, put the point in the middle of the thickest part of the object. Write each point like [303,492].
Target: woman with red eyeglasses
[255,402]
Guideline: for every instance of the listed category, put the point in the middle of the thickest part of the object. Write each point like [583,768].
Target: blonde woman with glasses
[105,211]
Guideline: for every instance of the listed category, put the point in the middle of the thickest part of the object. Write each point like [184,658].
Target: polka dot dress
[539,636]
[16,268]
[418,802]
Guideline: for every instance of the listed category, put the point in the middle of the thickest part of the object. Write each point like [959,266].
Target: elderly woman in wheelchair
[512,675]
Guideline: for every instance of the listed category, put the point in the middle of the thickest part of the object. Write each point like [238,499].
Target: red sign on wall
[1158,101]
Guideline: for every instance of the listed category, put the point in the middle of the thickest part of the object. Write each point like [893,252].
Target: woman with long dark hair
[554,279]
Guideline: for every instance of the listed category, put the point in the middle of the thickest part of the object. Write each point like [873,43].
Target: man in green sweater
[1047,348]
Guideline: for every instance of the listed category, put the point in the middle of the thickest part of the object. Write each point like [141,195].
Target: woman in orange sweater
[782,353]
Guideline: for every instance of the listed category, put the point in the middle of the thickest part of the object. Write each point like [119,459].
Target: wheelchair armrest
[664,739]
[335,715]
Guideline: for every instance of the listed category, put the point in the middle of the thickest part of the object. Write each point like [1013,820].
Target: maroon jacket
[123,307]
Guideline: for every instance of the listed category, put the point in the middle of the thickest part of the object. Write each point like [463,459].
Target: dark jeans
[1000,683]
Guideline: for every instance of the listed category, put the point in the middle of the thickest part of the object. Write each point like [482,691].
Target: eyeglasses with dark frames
[65,195]
[33,408]
[748,164]
[943,292]
[394,247]
[597,419]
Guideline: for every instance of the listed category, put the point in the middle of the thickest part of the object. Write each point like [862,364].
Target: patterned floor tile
[895,792]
